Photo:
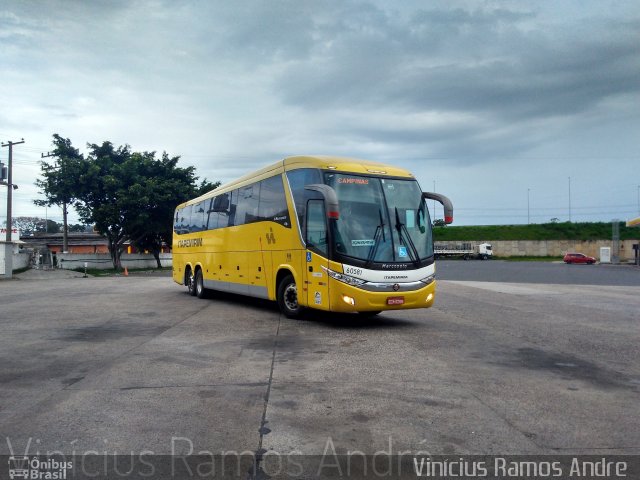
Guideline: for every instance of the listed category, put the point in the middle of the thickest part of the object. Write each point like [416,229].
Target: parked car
[579,258]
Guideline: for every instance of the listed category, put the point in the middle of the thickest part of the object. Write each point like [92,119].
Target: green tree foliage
[542,231]
[58,182]
[30,225]
[439,222]
[128,196]
[160,187]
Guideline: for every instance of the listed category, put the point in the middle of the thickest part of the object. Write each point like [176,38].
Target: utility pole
[8,259]
[528,211]
[569,199]
[65,236]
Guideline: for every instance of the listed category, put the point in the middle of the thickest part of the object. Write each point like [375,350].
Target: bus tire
[288,297]
[201,292]
[190,281]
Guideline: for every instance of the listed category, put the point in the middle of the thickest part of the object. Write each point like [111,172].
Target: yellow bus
[328,233]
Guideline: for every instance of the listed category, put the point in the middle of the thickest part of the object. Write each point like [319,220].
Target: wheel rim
[290,297]
[190,286]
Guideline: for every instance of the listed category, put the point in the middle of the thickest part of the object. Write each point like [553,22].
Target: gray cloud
[233,85]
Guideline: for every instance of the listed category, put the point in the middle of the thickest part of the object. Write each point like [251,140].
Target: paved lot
[539,272]
[127,364]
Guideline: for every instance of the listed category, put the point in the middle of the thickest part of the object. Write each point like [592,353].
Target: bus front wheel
[288,297]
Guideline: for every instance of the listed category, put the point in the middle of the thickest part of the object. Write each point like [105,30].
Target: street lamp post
[528,210]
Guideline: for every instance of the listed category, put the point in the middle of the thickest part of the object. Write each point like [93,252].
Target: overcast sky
[497,102]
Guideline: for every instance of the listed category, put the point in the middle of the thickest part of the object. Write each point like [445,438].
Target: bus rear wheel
[201,292]
[191,283]
[288,297]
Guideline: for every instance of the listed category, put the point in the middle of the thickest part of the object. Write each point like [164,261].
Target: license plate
[395,300]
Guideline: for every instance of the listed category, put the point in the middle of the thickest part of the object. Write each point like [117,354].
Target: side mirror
[330,198]
[446,203]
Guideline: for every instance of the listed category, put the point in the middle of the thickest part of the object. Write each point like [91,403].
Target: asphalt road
[538,272]
[129,364]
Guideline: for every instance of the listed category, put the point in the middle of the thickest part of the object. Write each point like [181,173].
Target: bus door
[316,282]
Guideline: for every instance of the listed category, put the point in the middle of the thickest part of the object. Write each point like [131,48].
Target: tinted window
[247,208]
[220,218]
[176,221]
[298,179]
[233,206]
[212,217]
[197,218]
[185,219]
[273,203]
[316,227]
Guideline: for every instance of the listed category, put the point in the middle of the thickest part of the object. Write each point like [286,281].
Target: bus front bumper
[347,298]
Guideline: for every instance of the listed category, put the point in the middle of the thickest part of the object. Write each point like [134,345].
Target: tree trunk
[115,250]
[156,255]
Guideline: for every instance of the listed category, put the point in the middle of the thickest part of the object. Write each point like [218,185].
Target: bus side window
[197,218]
[233,206]
[316,227]
[273,204]
[298,179]
[211,216]
[185,219]
[176,221]
[219,211]
[247,208]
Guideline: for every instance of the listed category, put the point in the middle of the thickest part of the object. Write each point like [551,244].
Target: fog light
[348,299]
[429,297]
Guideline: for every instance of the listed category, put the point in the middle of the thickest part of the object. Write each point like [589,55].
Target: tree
[131,196]
[30,225]
[127,196]
[162,186]
[77,227]
[58,183]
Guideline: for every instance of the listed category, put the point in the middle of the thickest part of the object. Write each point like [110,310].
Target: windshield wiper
[401,227]
[376,240]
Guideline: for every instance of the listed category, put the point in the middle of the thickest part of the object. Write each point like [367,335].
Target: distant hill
[541,231]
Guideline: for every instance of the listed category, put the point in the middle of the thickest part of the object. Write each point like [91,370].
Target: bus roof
[323,162]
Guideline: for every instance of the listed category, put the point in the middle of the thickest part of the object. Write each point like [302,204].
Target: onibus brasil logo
[23,467]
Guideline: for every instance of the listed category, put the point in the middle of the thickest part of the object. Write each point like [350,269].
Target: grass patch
[543,231]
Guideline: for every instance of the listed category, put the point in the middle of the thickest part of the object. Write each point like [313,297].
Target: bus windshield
[381,220]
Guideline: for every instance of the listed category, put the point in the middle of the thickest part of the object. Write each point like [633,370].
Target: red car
[579,258]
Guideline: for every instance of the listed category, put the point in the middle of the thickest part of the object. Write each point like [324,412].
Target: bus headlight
[349,300]
[428,279]
[349,280]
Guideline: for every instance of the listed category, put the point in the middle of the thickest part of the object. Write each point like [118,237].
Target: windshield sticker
[402,252]
[356,181]
[410,219]
[363,243]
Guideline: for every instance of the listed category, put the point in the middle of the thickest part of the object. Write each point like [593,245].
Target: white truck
[466,250]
